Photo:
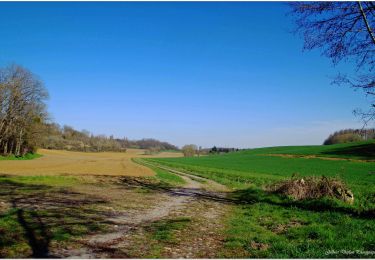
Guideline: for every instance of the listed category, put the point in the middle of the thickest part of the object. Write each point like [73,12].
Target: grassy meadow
[267,225]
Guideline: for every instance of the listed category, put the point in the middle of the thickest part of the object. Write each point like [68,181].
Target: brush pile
[313,188]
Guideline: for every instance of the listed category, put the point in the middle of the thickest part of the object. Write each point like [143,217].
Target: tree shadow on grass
[39,244]
[44,214]
[364,151]
[251,196]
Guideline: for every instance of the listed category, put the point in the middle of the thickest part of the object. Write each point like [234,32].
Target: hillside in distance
[67,138]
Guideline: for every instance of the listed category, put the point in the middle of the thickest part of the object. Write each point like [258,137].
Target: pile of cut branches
[313,188]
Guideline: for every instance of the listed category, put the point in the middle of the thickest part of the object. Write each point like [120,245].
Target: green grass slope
[358,150]
[267,225]
[258,167]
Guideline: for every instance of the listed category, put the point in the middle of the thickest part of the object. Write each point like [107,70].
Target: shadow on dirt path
[193,199]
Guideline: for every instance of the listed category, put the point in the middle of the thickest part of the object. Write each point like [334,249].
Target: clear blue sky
[226,74]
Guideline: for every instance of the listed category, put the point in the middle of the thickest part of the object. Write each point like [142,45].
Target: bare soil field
[66,162]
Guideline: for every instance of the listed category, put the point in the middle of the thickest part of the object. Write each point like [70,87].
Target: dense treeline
[67,138]
[350,135]
[22,110]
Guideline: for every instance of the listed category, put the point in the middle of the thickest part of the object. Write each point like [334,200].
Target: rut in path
[172,201]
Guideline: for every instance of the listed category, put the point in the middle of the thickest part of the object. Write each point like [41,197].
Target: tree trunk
[6,148]
[18,148]
[369,29]
[11,147]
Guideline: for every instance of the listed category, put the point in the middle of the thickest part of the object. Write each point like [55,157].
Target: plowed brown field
[66,162]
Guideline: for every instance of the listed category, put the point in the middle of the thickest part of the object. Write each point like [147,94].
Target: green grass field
[267,225]
[360,150]
[28,156]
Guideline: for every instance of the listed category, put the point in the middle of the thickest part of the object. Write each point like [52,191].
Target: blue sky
[225,74]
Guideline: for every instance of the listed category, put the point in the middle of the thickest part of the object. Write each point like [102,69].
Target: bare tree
[344,31]
[22,110]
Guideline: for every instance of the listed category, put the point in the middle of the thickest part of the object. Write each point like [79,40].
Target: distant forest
[68,138]
[350,135]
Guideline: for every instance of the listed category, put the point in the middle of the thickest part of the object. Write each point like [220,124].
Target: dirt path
[208,184]
[201,200]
